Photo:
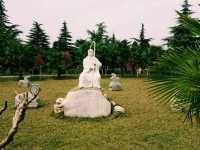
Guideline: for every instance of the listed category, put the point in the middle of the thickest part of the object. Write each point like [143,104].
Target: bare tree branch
[4,107]
[17,118]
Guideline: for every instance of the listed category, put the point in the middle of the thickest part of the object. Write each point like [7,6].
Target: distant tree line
[36,56]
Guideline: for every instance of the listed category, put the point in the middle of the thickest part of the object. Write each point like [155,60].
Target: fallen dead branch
[4,107]
[17,118]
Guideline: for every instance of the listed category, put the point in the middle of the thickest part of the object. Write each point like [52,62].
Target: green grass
[147,125]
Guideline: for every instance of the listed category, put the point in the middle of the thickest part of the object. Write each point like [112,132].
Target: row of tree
[122,56]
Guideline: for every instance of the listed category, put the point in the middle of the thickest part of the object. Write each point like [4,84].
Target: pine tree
[3,15]
[180,35]
[64,42]
[37,39]
[63,51]
[3,22]
[5,26]
[10,45]
[124,54]
[142,41]
[143,49]
[186,9]
[37,47]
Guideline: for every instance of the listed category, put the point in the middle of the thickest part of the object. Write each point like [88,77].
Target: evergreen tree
[64,42]
[37,38]
[10,46]
[134,47]
[37,45]
[124,55]
[113,53]
[142,41]
[143,49]
[6,27]
[64,52]
[180,35]
[186,9]
[3,15]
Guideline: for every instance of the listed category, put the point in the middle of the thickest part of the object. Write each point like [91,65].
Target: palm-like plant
[99,34]
[176,75]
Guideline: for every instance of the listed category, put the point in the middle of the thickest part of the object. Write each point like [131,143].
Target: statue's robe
[90,77]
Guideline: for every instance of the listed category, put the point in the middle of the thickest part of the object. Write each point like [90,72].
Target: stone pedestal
[88,103]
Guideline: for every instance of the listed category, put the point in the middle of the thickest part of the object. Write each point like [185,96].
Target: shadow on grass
[114,115]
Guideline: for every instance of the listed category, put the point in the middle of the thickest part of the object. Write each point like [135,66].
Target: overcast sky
[122,17]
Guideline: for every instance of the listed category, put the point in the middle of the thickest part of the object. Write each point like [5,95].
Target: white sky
[123,18]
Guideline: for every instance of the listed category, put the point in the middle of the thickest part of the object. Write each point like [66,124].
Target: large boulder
[86,102]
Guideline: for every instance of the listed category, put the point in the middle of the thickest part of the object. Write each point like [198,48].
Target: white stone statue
[87,100]
[115,84]
[90,77]
[34,89]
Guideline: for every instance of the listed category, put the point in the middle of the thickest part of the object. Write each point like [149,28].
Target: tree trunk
[58,73]
[40,72]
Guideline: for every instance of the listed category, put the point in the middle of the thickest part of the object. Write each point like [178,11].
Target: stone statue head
[91,52]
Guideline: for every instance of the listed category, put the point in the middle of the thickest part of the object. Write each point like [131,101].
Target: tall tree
[181,36]
[38,45]
[123,55]
[64,42]
[143,49]
[3,15]
[9,42]
[64,51]
[37,38]
[113,53]
[82,46]
[99,34]
[143,41]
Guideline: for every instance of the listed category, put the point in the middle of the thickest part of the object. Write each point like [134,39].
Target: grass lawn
[147,126]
